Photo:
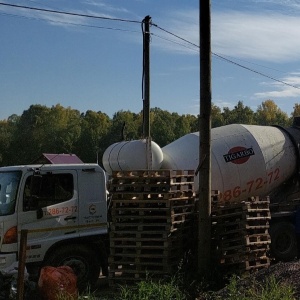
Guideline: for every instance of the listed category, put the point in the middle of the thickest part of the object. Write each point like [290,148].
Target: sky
[96,63]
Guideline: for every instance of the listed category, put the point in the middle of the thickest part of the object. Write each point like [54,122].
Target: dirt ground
[284,272]
[288,272]
[103,291]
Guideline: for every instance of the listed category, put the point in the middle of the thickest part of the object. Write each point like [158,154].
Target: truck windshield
[9,183]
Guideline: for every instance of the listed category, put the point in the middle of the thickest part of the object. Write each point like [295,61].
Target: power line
[68,13]
[134,21]
[174,42]
[229,60]
[257,72]
[175,35]
[68,23]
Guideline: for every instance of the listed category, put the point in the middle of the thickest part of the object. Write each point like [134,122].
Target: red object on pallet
[57,283]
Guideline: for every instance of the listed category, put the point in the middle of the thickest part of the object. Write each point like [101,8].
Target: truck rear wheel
[81,259]
[283,241]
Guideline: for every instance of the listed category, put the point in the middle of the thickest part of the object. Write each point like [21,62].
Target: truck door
[92,204]
[49,210]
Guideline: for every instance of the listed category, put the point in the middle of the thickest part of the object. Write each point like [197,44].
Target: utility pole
[146,75]
[146,89]
[204,225]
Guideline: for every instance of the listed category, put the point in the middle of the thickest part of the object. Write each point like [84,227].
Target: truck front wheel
[283,241]
[81,259]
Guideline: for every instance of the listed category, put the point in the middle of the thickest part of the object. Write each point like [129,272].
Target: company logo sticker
[92,209]
[238,155]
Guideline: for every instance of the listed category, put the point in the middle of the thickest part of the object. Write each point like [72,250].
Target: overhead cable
[139,22]
[230,61]
[68,13]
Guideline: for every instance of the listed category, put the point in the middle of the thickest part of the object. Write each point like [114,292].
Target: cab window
[47,189]
[9,186]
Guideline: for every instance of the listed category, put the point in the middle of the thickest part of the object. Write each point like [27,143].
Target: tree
[94,129]
[29,134]
[240,114]
[63,130]
[182,125]
[268,113]
[7,131]
[295,113]
[216,117]
[163,126]
[45,130]
[125,126]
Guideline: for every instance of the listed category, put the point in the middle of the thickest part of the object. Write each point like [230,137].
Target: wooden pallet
[247,265]
[152,216]
[242,257]
[147,244]
[262,239]
[151,188]
[242,250]
[240,234]
[153,173]
[177,195]
[152,181]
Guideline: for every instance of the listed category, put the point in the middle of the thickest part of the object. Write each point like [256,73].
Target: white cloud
[50,17]
[223,103]
[269,36]
[273,37]
[183,24]
[105,6]
[61,19]
[280,90]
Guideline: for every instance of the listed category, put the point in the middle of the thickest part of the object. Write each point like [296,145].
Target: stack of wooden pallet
[241,236]
[151,222]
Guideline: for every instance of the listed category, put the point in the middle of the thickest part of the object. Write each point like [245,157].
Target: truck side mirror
[39,213]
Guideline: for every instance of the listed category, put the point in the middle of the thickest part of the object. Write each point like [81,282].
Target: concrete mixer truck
[247,160]
[67,222]
[250,160]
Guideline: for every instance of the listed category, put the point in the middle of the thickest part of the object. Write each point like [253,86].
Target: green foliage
[273,290]
[125,126]
[240,114]
[268,113]
[163,126]
[270,289]
[57,129]
[152,290]
[93,135]
[217,117]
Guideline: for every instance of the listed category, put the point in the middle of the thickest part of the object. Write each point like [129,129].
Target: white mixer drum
[131,155]
[247,160]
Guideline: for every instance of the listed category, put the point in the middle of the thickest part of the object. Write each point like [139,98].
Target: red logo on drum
[238,155]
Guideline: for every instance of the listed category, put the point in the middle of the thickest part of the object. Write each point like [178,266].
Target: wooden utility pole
[146,75]
[146,89]
[21,267]
[204,234]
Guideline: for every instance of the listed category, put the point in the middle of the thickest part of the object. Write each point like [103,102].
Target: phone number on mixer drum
[252,186]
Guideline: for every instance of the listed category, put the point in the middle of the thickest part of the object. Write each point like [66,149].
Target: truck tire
[81,259]
[283,241]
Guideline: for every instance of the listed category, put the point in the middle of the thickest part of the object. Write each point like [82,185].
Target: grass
[270,289]
[187,285]
[152,290]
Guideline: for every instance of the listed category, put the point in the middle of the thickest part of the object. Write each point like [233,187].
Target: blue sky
[95,64]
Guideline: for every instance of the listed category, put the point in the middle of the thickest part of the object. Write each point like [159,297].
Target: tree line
[41,129]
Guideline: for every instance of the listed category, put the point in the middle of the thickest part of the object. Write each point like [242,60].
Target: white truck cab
[64,209]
